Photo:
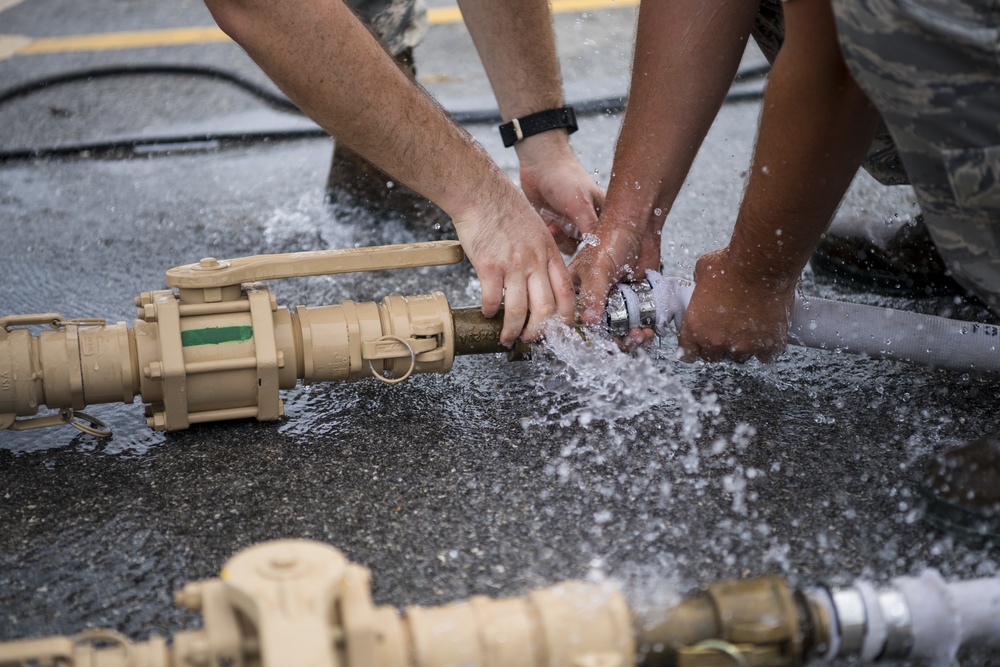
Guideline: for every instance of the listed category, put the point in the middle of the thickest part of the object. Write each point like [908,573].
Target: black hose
[273,99]
[180,143]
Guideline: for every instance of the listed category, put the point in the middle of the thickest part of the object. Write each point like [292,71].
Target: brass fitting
[742,623]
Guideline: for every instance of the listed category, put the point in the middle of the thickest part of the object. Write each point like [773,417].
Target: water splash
[589,382]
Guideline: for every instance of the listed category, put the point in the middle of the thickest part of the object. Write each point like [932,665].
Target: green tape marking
[216,335]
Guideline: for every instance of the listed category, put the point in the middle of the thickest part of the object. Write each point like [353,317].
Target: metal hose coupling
[653,303]
[922,618]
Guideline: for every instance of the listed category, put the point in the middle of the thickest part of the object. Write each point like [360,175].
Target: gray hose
[921,618]
[879,333]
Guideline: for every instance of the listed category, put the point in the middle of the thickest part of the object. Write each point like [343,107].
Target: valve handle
[211,272]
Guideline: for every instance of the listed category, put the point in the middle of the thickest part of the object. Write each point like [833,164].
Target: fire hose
[878,333]
[216,346]
[297,602]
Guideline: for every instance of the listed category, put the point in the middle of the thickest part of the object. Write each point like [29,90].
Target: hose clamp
[898,624]
[851,621]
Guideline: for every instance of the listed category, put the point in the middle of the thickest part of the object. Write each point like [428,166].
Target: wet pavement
[493,479]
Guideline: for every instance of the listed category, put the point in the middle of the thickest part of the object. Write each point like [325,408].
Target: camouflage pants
[932,67]
[400,24]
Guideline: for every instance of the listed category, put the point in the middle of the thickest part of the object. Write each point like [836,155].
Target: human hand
[621,249]
[732,316]
[517,262]
[560,189]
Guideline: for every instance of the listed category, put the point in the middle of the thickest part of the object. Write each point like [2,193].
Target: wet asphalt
[493,479]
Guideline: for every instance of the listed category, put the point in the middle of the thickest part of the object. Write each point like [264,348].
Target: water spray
[298,602]
[878,333]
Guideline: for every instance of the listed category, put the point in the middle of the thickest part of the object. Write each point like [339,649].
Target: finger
[597,198]
[561,283]
[566,244]
[515,310]
[738,356]
[687,352]
[635,339]
[687,348]
[541,307]
[595,285]
[563,223]
[582,212]
[492,288]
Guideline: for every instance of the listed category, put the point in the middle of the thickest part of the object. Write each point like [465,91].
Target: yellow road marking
[110,41]
[153,38]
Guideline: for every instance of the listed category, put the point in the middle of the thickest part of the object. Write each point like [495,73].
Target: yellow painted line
[444,15]
[111,41]
[563,6]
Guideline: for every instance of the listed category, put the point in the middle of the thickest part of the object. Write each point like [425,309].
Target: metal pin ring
[90,425]
[409,371]
[725,647]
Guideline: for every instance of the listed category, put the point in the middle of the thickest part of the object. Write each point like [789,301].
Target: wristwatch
[536,123]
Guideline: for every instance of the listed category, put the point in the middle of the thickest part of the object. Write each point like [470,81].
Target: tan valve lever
[212,273]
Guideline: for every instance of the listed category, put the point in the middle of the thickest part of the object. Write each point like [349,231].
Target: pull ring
[86,423]
[409,371]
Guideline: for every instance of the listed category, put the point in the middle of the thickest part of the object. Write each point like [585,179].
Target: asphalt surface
[493,479]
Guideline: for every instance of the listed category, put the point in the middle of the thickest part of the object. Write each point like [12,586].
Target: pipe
[879,333]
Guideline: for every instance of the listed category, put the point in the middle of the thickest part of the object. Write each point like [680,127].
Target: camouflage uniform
[932,67]
[883,161]
[400,24]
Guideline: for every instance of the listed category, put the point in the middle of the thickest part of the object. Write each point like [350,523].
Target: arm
[337,73]
[516,43]
[686,55]
[815,128]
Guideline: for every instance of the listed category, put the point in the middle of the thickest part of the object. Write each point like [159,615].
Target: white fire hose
[879,333]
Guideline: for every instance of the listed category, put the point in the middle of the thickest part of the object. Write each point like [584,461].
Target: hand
[732,316]
[517,262]
[559,188]
[623,249]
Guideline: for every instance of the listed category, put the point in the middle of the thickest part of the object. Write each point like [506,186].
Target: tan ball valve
[217,346]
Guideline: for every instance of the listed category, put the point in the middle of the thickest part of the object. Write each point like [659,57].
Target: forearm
[686,55]
[515,41]
[328,63]
[516,44]
[815,127]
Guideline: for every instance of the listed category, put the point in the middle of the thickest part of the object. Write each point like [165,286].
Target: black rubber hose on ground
[149,145]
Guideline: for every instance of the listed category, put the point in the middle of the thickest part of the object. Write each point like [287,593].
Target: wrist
[767,251]
[635,207]
[491,195]
[543,148]
[754,267]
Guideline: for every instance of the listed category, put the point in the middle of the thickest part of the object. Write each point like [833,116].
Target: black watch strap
[535,123]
